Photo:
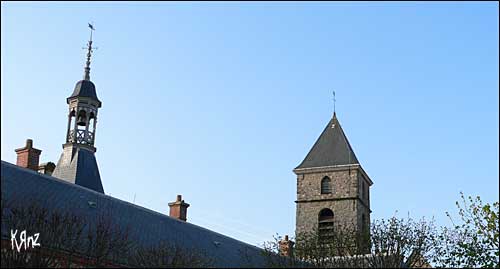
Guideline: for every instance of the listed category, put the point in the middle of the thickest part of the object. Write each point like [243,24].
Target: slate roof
[147,226]
[84,88]
[331,148]
[78,165]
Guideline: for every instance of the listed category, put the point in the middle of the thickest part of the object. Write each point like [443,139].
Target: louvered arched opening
[325,225]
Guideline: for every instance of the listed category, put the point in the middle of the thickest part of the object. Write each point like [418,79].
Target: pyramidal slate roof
[147,227]
[78,165]
[332,148]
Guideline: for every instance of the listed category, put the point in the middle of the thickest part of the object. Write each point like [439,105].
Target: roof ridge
[351,150]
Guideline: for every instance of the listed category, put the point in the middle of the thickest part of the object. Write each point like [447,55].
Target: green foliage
[336,250]
[402,242]
[474,241]
[394,243]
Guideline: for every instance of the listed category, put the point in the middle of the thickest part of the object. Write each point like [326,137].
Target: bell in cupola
[82,121]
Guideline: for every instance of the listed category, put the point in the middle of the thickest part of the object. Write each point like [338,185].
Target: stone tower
[332,187]
[77,163]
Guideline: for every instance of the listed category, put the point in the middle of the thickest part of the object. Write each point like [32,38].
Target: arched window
[71,125]
[91,122]
[72,114]
[325,225]
[71,120]
[326,185]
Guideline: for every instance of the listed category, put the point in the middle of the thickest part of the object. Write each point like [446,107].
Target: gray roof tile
[79,166]
[332,148]
[84,88]
[148,227]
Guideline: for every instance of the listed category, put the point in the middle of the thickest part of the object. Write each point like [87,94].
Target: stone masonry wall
[307,214]
[342,201]
[344,184]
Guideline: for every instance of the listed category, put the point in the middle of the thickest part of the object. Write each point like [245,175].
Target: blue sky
[220,101]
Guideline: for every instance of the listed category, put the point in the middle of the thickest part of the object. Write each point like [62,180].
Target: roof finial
[90,49]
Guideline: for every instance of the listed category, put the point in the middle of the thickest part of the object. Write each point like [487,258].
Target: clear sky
[220,101]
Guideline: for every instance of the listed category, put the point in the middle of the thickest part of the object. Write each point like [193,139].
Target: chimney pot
[286,247]
[47,168]
[178,209]
[28,157]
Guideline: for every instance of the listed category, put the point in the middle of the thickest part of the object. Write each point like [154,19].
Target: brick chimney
[178,209]
[46,168]
[286,247]
[28,157]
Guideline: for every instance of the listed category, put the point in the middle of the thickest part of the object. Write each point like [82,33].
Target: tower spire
[334,104]
[90,49]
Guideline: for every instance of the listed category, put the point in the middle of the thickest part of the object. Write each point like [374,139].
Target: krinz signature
[23,240]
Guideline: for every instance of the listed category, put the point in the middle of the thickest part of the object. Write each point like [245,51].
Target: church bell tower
[77,163]
[332,187]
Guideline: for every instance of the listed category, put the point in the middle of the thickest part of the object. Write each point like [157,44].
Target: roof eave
[68,100]
[307,170]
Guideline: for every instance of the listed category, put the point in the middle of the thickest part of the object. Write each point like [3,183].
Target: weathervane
[90,49]
[334,102]
[334,115]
